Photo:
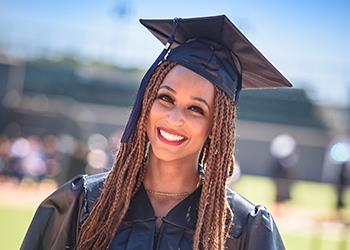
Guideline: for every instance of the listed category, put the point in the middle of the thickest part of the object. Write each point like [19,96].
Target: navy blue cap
[213,48]
[212,61]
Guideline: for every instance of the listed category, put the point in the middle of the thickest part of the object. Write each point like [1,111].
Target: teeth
[170,137]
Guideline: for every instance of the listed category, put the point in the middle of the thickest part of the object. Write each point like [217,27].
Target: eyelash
[197,110]
[168,99]
[165,98]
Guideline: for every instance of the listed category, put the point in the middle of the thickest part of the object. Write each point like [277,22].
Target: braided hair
[124,180]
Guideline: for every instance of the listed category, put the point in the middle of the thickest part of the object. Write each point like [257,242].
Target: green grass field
[14,222]
[313,199]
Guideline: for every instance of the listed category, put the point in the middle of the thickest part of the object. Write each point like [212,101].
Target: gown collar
[184,214]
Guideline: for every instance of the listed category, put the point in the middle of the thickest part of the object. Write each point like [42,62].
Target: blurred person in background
[77,162]
[4,156]
[33,163]
[50,147]
[20,148]
[343,181]
[70,151]
[97,157]
[29,157]
[284,153]
[336,170]
[168,186]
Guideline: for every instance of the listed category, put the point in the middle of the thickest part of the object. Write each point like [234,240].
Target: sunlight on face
[181,116]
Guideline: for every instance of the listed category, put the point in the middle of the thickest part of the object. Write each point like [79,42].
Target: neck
[176,176]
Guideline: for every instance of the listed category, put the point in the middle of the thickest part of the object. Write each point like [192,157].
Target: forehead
[188,82]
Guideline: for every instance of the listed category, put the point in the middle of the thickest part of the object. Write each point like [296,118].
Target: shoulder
[253,226]
[246,213]
[65,194]
[81,184]
[93,184]
[54,225]
[84,189]
[241,208]
[92,187]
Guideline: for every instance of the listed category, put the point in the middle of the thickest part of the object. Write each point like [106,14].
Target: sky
[308,41]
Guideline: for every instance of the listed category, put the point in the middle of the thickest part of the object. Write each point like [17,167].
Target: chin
[168,156]
[165,155]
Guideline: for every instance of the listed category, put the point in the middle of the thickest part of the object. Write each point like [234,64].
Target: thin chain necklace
[166,193]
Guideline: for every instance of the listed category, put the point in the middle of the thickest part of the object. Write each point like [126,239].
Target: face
[180,118]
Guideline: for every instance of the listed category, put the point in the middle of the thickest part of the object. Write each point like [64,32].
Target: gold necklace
[166,193]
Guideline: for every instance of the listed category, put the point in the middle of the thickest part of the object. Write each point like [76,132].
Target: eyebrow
[194,98]
[168,88]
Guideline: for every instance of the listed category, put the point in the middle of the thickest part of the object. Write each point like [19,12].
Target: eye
[165,98]
[197,109]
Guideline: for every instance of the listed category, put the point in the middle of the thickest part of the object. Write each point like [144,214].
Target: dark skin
[179,124]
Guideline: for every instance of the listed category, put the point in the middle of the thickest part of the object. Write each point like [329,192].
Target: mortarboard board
[213,48]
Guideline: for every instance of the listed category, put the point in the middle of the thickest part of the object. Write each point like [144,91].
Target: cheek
[200,129]
[154,115]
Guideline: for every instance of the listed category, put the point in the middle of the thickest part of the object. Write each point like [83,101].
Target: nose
[175,117]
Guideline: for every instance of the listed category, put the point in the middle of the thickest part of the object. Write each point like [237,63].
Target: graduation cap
[214,48]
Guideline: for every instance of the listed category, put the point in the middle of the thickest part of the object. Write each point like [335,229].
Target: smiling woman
[168,186]
[180,118]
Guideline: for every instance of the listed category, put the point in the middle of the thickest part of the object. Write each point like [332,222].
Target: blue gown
[57,221]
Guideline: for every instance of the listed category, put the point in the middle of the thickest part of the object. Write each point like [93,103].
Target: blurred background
[69,71]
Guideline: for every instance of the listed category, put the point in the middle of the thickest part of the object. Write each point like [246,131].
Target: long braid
[214,214]
[123,181]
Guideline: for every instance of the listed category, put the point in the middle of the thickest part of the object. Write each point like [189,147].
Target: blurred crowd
[61,157]
[57,157]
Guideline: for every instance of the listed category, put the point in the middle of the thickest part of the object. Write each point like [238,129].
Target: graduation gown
[57,221]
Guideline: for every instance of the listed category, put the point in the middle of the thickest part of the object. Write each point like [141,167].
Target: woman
[167,188]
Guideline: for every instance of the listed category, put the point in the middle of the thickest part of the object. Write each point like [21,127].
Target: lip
[173,143]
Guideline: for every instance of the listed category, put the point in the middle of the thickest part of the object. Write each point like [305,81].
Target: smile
[170,138]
